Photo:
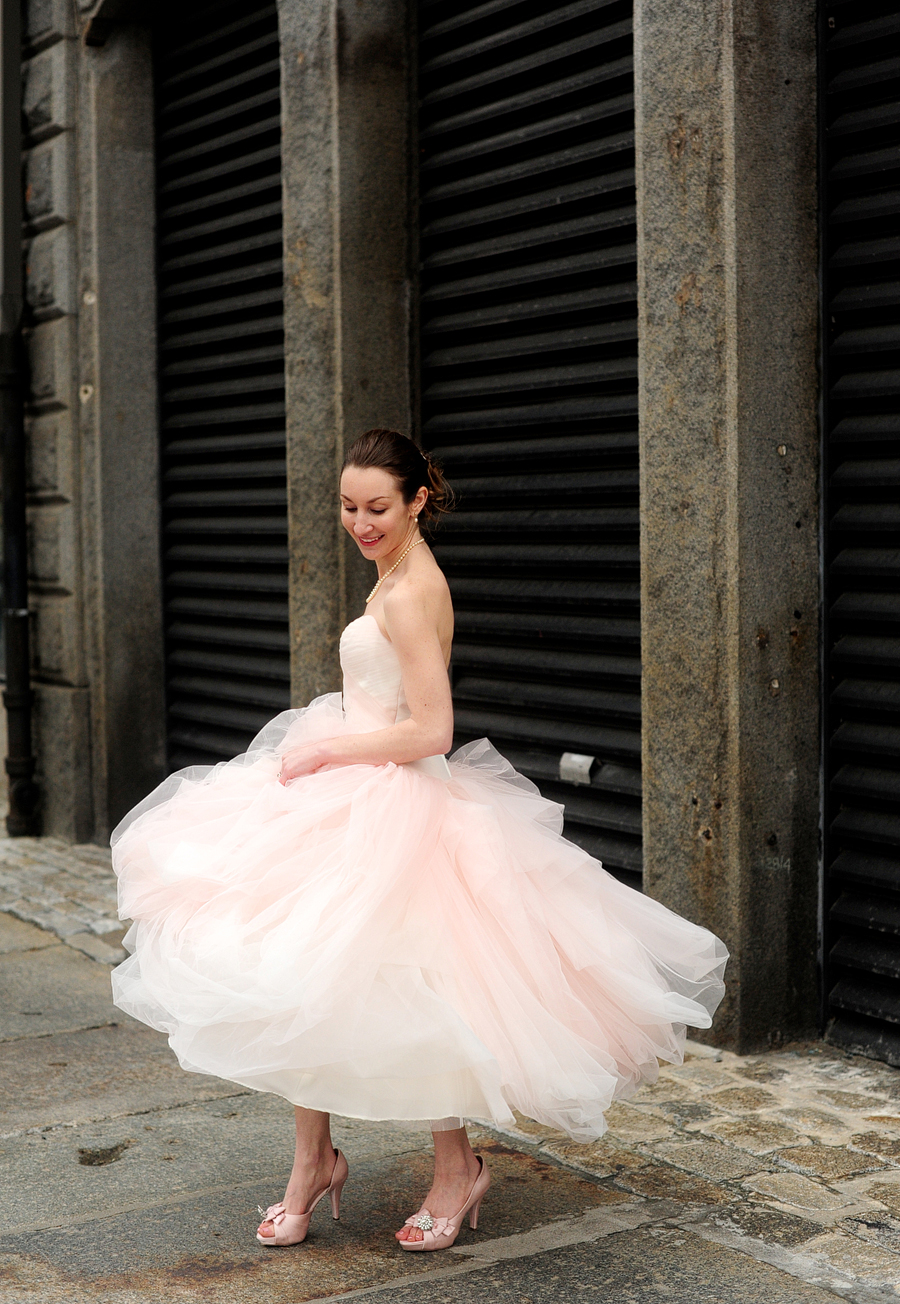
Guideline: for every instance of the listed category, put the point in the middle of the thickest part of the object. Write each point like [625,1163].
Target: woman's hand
[303,760]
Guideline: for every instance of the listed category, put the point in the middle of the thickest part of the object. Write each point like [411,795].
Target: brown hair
[390,451]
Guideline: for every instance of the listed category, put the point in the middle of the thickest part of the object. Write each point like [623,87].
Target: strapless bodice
[373,686]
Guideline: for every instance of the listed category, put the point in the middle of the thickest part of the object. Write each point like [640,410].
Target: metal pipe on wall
[18,696]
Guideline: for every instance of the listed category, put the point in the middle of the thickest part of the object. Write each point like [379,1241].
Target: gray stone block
[801,1192]
[52,363]
[717,1162]
[48,184]
[46,526]
[53,642]
[50,274]
[91,945]
[48,445]
[847,1254]
[62,746]
[46,21]
[48,92]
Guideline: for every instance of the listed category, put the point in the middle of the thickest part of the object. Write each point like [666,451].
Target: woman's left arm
[413,631]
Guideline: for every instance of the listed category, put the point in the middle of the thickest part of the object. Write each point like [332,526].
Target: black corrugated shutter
[529,387]
[861,186]
[221,375]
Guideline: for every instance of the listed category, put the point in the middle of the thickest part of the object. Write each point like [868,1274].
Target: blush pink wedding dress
[397,941]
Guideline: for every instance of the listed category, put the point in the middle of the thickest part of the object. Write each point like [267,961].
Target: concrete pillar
[347,277]
[726,166]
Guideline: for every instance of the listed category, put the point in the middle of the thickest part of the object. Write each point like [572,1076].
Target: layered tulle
[381,943]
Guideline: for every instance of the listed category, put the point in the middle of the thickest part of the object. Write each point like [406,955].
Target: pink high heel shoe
[440,1233]
[291,1228]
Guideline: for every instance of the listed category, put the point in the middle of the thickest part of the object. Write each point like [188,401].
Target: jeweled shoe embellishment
[440,1233]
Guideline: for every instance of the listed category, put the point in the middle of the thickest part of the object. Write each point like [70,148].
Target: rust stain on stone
[304,278]
[680,142]
[677,141]
[206,1268]
[691,292]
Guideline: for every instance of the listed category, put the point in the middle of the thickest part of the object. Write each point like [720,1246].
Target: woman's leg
[313,1162]
[455,1169]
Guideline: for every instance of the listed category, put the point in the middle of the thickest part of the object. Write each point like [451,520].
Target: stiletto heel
[291,1228]
[336,1191]
[440,1233]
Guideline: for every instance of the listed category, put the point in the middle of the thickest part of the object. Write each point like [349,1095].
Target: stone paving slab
[18,936]
[638,1267]
[30,989]
[97,1073]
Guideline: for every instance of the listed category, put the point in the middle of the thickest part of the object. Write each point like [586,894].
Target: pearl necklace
[404,554]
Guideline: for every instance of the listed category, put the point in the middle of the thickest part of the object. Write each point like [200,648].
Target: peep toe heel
[292,1228]
[440,1233]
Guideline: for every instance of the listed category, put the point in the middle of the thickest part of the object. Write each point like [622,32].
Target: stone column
[727,284]
[345,159]
[119,419]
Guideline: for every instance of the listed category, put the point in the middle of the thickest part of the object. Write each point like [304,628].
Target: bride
[341,917]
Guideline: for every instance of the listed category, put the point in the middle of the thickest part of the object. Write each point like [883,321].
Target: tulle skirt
[376,942]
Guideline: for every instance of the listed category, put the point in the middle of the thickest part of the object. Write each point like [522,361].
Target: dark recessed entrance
[861,229]
[221,366]
[529,390]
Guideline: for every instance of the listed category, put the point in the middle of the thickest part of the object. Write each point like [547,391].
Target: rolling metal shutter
[528,338]
[861,193]
[221,345]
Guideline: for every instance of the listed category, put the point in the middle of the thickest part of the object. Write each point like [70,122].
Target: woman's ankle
[456,1169]
[319,1157]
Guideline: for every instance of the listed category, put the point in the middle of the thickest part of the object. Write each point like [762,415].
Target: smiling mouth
[370,543]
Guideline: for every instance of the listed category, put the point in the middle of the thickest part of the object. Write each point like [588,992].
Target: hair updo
[390,451]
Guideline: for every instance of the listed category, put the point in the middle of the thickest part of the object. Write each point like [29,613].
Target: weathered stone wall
[62,727]
[726,154]
[91,418]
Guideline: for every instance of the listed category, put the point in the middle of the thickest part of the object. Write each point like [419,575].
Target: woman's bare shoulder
[422,585]
[422,594]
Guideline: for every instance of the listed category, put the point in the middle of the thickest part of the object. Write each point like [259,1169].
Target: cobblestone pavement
[67,890]
[797,1150]
[790,1158]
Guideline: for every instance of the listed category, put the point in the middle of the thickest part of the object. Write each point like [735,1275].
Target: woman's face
[373,510]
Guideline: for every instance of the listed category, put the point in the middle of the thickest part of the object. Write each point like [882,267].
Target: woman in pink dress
[342,917]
